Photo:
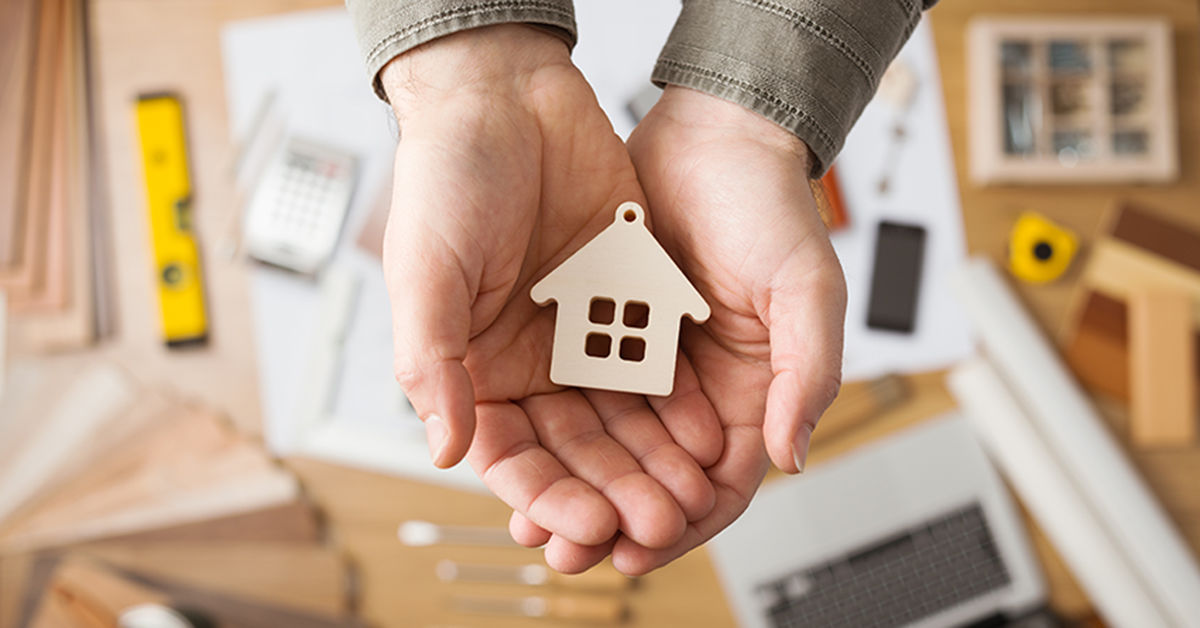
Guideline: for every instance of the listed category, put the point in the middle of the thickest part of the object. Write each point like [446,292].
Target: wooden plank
[308,578]
[294,522]
[65,313]
[1162,373]
[1167,238]
[1096,348]
[18,19]
[85,595]
[1119,270]
[24,278]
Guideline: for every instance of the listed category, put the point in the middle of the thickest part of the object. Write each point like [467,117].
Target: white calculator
[298,208]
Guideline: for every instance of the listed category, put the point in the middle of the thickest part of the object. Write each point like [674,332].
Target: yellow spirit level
[168,203]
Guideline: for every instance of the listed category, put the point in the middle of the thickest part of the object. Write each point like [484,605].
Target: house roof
[623,258]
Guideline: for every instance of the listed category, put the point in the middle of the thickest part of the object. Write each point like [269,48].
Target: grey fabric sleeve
[387,28]
[808,65]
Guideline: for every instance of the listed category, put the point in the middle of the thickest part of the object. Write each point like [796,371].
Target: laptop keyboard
[929,568]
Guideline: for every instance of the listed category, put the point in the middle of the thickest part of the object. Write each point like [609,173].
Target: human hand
[505,166]
[732,205]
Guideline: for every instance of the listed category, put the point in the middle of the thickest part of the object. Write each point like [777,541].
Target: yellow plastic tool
[1040,251]
[168,204]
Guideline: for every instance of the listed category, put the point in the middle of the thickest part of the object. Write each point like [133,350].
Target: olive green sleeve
[386,28]
[808,65]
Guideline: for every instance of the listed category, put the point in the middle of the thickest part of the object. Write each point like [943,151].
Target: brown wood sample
[184,470]
[22,279]
[308,578]
[63,315]
[17,28]
[294,522]
[1147,230]
[1096,346]
[84,594]
[1162,373]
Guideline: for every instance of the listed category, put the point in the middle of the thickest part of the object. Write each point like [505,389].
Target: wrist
[715,119]
[485,60]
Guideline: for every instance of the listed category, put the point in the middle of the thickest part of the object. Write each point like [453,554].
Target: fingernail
[435,434]
[800,446]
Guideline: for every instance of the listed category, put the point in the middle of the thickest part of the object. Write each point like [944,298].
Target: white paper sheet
[923,191]
[312,62]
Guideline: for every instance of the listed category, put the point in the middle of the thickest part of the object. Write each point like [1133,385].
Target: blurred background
[199,424]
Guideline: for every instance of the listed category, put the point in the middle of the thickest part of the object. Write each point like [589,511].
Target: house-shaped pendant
[620,299]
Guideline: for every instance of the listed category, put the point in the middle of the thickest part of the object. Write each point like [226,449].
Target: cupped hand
[729,192]
[505,166]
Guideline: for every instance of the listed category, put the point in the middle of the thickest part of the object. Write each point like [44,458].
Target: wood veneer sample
[83,594]
[17,29]
[1096,346]
[23,278]
[295,522]
[1166,238]
[309,578]
[1162,373]
[1119,269]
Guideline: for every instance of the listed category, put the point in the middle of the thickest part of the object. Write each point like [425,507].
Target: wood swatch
[1144,229]
[1096,346]
[189,466]
[293,522]
[1163,411]
[24,278]
[307,578]
[63,585]
[82,594]
[18,19]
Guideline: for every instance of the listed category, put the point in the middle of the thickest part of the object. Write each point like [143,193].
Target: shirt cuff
[387,28]
[808,65]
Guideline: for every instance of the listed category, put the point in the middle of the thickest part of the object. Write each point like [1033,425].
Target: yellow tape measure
[168,204]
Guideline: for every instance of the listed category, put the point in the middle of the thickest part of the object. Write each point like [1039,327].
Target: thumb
[431,304]
[806,320]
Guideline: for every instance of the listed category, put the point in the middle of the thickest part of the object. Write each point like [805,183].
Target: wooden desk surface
[143,45]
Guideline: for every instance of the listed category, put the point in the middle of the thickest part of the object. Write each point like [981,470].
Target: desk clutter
[506,587]
[122,495]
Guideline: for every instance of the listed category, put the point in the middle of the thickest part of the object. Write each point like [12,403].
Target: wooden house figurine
[620,299]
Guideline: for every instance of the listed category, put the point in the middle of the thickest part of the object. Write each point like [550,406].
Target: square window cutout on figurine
[620,299]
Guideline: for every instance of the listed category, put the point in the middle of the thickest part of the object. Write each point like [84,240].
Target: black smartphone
[899,251]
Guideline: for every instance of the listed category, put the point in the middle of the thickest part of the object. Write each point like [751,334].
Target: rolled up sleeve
[387,28]
[808,65]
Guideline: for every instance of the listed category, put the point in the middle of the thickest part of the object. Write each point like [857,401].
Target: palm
[736,212]
[543,175]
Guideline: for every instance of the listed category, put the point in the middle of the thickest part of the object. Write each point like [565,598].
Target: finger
[806,323]
[569,428]
[689,416]
[571,558]
[430,302]
[735,477]
[631,422]
[526,532]
[528,478]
